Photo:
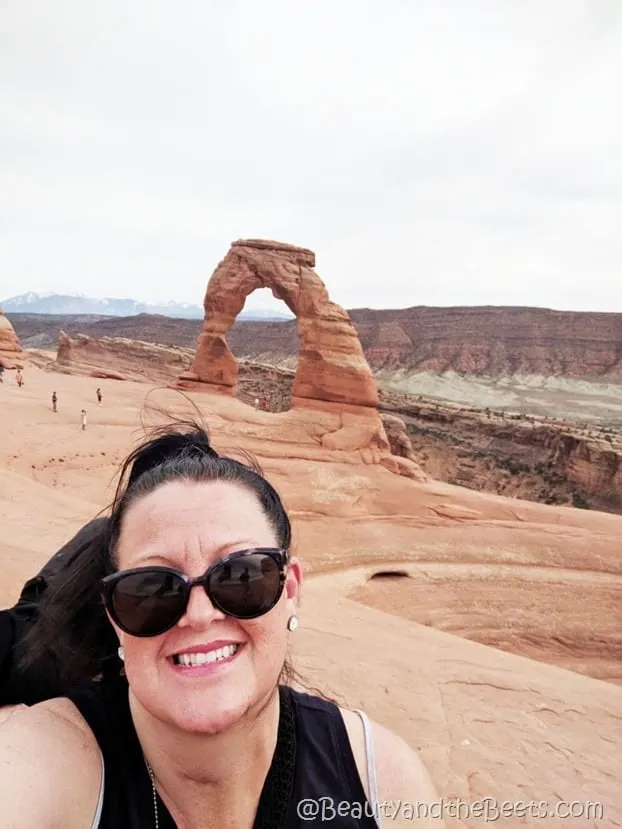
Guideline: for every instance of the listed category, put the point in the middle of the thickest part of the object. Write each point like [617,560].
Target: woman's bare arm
[50,768]
[406,793]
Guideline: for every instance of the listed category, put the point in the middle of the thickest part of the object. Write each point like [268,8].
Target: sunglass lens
[146,604]
[247,586]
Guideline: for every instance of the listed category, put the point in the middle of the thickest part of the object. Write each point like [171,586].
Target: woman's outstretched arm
[50,767]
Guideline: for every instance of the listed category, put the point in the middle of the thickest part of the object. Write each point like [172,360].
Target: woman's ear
[293,580]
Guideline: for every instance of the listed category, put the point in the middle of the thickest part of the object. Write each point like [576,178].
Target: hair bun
[159,450]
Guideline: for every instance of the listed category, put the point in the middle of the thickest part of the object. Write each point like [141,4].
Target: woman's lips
[202,660]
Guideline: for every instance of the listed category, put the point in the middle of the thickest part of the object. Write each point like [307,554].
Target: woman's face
[188,526]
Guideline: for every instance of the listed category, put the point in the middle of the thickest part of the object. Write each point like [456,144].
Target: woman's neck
[218,775]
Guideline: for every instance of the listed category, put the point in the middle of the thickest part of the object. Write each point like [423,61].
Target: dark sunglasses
[147,601]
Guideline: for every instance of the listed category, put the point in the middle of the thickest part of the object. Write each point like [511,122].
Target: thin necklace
[278,787]
[155,796]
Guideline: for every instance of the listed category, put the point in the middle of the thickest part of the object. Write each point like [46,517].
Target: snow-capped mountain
[33,303]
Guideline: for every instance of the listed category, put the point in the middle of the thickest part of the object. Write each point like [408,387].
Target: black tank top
[313,764]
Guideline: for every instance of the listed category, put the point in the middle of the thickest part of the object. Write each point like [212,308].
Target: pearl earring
[292,623]
[120,652]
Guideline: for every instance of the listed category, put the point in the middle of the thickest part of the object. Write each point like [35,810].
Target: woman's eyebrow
[220,552]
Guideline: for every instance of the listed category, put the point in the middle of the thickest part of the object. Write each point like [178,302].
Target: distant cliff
[493,341]
[479,341]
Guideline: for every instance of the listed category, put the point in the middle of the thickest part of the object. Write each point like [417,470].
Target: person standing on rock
[54,399]
[19,378]
[83,417]
[99,396]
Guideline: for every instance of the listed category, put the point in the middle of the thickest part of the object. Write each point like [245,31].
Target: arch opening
[265,345]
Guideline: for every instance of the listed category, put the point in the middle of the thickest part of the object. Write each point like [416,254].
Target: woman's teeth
[190,659]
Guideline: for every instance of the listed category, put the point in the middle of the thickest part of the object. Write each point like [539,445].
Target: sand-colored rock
[331,363]
[489,723]
[11,353]
[118,358]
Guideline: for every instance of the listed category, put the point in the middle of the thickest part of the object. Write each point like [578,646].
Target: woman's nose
[200,610]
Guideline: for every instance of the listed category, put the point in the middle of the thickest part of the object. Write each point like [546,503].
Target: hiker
[19,378]
[83,419]
[99,396]
[195,597]
[54,399]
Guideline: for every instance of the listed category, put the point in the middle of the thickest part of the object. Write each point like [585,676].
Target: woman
[195,594]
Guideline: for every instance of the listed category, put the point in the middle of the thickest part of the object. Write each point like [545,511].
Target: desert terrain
[398,573]
[484,629]
[544,423]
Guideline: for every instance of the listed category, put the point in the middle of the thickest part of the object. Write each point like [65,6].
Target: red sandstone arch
[331,364]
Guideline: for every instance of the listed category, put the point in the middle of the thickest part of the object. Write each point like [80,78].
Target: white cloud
[430,152]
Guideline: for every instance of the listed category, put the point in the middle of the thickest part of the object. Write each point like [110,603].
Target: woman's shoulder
[401,776]
[53,720]
[50,765]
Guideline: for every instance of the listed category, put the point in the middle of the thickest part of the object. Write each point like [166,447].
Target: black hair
[72,624]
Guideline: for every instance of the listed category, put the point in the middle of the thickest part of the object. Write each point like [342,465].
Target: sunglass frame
[109,583]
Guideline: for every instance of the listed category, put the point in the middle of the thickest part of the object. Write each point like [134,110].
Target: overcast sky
[450,152]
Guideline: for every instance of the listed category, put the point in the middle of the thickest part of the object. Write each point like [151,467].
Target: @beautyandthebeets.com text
[487,809]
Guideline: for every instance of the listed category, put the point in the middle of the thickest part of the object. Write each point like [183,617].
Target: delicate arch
[331,364]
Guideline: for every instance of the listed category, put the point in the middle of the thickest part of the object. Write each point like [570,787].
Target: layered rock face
[486,342]
[543,459]
[334,391]
[11,353]
[331,365]
[119,358]
[493,341]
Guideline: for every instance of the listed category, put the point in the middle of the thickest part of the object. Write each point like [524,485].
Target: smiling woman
[192,594]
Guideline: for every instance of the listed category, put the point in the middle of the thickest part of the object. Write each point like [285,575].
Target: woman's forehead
[197,521]
[193,501]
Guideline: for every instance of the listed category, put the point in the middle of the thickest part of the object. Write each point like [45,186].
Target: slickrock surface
[489,723]
[11,353]
[120,358]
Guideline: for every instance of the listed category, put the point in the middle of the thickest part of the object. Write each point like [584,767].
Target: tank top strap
[326,767]
[100,800]
[125,795]
[371,764]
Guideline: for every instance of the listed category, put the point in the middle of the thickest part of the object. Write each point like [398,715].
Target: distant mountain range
[32,303]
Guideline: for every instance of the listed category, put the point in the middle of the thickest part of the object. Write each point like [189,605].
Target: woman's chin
[209,714]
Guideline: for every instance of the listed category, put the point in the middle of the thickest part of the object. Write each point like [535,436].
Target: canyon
[483,342]
[553,460]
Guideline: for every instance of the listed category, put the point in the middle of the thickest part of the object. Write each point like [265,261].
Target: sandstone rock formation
[398,437]
[332,376]
[11,353]
[331,364]
[119,358]
[493,341]
[544,459]
[486,342]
